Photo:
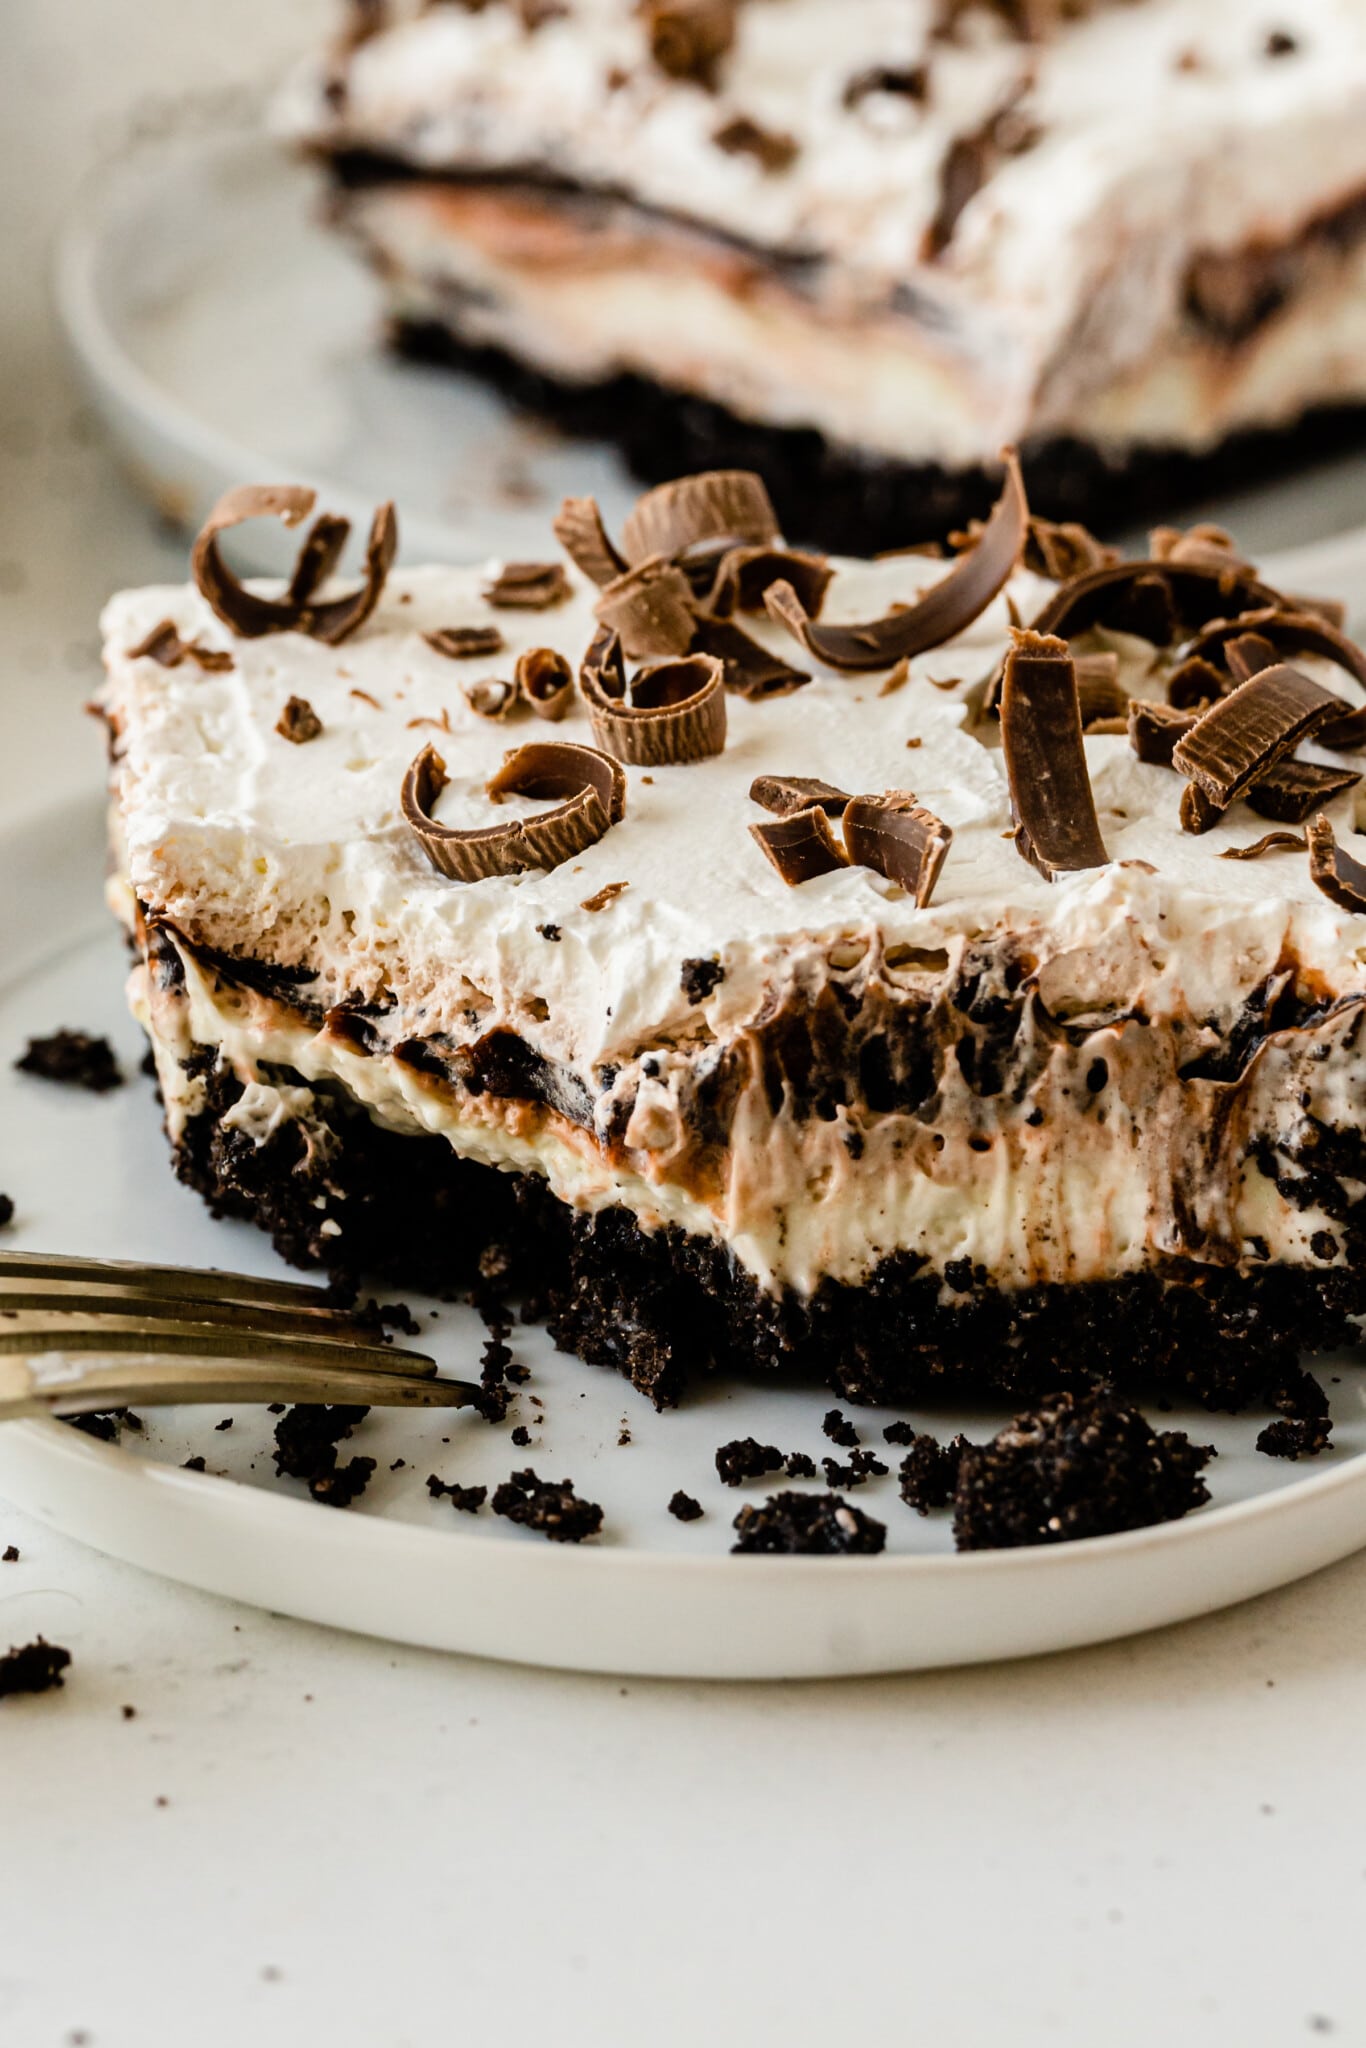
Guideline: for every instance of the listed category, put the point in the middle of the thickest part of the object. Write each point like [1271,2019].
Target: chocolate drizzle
[591,790]
[1333,871]
[249,615]
[945,611]
[1056,828]
[1238,739]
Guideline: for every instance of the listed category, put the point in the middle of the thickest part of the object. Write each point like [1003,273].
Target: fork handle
[91,1385]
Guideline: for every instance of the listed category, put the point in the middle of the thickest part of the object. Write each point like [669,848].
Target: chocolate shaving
[602,897]
[249,615]
[1063,551]
[1206,546]
[491,698]
[1056,828]
[464,643]
[800,845]
[1248,654]
[650,609]
[1198,813]
[298,722]
[1246,733]
[898,838]
[528,587]
[1154,730]
[546,681]
[1100,694]
[785,794]
[688,38]
[1270,842]
[593,793]
[165,646]
[750,670]
[578,528]
[771,150]
[1195,684]
[1288,792]
[745,574]
[674,712]
[945,611]
[1126,595]
[1333,871]
[717,504]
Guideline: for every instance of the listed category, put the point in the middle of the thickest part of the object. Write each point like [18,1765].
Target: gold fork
[79,1335]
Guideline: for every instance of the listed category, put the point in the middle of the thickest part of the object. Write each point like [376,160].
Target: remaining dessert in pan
[927,972]
[858,247]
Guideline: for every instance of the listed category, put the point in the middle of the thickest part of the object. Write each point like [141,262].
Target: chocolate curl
[251,616]
[744,576]
[546,681]
[716,505]
[593,793]
[1246,733]
[675,711]
[898,838]
[578,528]
[800,846]
[1333,871]
[944,612]
[1056,828]
[1270,842]
[650,609]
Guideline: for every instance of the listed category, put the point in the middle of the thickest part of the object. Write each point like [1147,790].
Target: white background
[303,1838]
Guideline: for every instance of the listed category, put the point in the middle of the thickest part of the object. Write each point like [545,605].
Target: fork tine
[176,1283]
[32,1331]
[163,1383]
[119,1298]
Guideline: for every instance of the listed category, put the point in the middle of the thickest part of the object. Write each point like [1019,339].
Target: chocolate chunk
[674,711]
[800,845]
[164,645]
[73,1058]
[554,1511]
[466,1499]
[578,528]
[650,609]
[688,38]
[771,150]
[528,587]
[1198,813]
[298,722]
[784,794]
[1246,733]
[1270,842]
[1154,730]
[546,681]
[730,505]
[35,1667]
[492,697]
[1056,828]
[699,977]
[808,1525]
[1288,792]
[249,615]
[1333,871]
[684,1508]
[1079,1465]
[465,643]
[591,787]
[746,1458]
[898,838]
[10,1554]
[945,611]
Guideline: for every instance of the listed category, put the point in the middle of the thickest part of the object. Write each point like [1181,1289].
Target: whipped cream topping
[1163,131]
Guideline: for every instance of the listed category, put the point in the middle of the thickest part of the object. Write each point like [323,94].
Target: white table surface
[303,1837]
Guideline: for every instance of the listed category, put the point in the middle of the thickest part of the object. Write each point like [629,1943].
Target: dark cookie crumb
[226,1423]
[684,1508]
[521,1436]
[397,1315]
[496,1359]
[797,1465]
[469,1499]
[6,1211]
[699,977]
[36,1667]
[298,722]
[193,1465]
[746,1458]
[551,932]
[516,1374]
[623,1434]
[1296,1437]
[10,1554]
[306,1439]
[1078,1465]
[862,1467]
[902,1432]
[840,1430]
[552,1510]
[929,1474]
[129,1713]
[74,1058]
[808,1525]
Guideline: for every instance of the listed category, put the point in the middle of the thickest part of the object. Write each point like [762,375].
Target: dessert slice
[857,248]
[763,961]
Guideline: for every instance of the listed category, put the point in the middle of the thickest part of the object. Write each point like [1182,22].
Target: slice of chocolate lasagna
[858,247]
[929,972]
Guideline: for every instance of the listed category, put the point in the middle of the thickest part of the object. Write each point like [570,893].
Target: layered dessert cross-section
[930,973]
[857,248]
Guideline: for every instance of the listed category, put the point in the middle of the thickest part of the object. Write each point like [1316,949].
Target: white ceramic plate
[226,335]
[90,1175]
